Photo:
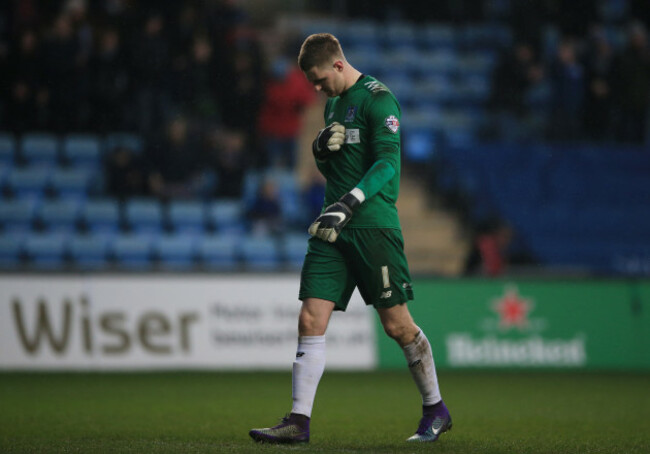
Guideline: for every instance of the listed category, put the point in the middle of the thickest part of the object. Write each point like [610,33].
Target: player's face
[327,79]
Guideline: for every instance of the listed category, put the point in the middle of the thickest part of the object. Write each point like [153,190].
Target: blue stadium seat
[133,252]
[72,183]
[472,90]
[438,62]
[5,170]
[46,250]
[29,182]
[123,139]
[11,248]
[422,117]
[252,181]
[366,60]
[419,145]
[90,252]
[17,215]
[399,36]
[294,248]
[227,216]
[82,150]
[7,149]
[437,36]
[476,64]
[288,192]
[144,215]
[219,252]
[39,149]
[102,216]
[261,253]
[432,91]
[402,87]
[357,34]
[175,252]
[486,36]
[187,217]
[60,216]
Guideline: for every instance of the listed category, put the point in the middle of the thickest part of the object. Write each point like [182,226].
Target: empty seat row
[143,252]
[77,150]
[423,65]
[35,182]
[404,35]
[111,216]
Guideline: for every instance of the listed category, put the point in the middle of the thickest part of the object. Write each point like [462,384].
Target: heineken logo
[509,335]
[513,310]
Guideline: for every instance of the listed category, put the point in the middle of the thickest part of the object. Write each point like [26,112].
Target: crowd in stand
[594,90]
[192,78]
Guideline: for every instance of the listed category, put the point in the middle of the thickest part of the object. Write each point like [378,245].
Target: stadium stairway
[433,238]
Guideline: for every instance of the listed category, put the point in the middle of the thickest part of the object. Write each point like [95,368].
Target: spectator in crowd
[111,83]
[598,98]
[241,91]
[265,212]
[515,74]
[489,253]
[632,86]
[178,168]
[229,151]
[198,93]
[150,63]
[62,58]
[567,77]
[125,173]
[28,98]
[287,93]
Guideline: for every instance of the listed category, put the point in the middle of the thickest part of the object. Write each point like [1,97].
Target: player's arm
[384,118]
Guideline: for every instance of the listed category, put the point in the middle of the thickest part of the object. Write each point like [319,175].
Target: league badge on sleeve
[392,123]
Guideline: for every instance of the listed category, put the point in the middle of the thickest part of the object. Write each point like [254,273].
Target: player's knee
[395,330]
[309,325]
[402,333]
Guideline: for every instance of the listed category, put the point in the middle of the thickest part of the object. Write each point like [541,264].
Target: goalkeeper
[357,240]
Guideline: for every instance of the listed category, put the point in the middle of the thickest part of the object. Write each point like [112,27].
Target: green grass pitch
[197,412]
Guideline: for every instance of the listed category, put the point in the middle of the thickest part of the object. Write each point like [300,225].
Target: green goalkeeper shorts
[371,259]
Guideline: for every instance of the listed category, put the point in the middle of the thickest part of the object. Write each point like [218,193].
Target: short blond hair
[319,49]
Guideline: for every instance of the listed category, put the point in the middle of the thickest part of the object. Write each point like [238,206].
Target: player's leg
[324,286]
[385,282]
[309,365]
[308,369]
[399,325]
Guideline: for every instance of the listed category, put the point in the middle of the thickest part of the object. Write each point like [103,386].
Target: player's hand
[330,223]
[328,141]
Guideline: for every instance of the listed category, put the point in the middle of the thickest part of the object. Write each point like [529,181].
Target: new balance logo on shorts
[386,294]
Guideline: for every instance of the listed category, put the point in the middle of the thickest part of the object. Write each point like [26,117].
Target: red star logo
[512,309]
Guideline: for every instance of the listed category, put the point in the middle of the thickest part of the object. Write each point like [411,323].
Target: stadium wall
[166,322]
[581,324]
[246,322]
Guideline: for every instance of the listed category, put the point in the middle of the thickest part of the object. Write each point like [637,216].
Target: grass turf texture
[506,412]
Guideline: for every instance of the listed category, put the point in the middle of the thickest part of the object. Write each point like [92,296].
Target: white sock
[420,361]
[307,370]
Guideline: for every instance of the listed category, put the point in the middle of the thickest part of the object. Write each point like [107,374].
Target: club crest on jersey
[350,114]
[392,123]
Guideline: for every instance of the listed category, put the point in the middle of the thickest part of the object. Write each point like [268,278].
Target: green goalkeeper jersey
[370,157]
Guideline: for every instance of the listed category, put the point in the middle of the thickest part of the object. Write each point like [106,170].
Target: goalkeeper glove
[330,223]
[329,140]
